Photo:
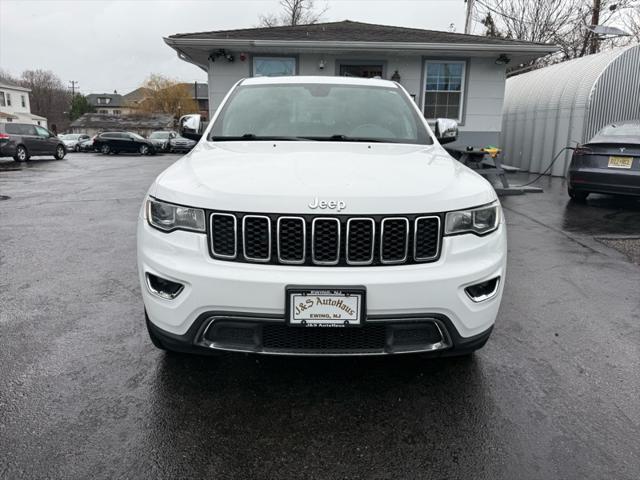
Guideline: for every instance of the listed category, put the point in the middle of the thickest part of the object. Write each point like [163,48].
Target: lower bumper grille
[369,339]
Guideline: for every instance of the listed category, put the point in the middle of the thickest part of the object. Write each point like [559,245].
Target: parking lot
[84,394]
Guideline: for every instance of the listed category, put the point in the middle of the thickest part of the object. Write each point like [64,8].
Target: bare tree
[561,22]
[6,77]
[164,95]
[631,24]
[49,97]
[294,12]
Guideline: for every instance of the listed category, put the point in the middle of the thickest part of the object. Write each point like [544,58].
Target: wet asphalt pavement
[555,394]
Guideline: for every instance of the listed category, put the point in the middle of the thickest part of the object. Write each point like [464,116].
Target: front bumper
[394,293]
[181,148]
[216,331]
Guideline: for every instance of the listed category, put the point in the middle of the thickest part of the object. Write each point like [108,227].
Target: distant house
[135,97]
[110,103]
[199,92]
[449,75]
[15,106]
[143,124]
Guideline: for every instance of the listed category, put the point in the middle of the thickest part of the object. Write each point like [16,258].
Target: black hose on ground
[546,170]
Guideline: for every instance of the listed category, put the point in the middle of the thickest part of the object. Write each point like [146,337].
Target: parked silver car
[170,141]
[72,140]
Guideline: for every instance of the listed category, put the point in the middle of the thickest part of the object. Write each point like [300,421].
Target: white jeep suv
[321,216]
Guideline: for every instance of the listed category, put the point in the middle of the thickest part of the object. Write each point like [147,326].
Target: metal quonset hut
[557,106]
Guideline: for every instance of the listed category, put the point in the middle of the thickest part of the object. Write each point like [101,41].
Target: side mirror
[190,126]
[446,130]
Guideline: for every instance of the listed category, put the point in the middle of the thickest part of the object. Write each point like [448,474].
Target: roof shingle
[349,31]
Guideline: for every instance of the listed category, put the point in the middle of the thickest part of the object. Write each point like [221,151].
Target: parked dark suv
[116,142]
[23,141]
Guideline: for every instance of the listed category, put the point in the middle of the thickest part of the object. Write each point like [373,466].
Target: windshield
[618,132]
[313,111]
[159,135]
[72,136]
[136,136]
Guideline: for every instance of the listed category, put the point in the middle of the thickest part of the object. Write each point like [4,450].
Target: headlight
[479,220]
[168,217]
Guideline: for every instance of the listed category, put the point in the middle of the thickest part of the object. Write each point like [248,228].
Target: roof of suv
[375,82]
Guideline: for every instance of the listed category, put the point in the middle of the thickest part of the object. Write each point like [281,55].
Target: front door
[48,142]
[371,70]
[31,139]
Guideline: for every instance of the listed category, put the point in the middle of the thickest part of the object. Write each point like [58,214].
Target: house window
[103,100]
[116,112]
[2,102]
[273,66]
[24,101]
[444,90]
[8,99]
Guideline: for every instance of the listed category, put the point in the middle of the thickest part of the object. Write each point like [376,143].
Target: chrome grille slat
[287,257]
[419,234]
[252,245]
[221,230]
[320,231]
[389,242]
[351,245]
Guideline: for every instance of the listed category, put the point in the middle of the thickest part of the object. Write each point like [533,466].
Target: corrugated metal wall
[550,108]
[616,94]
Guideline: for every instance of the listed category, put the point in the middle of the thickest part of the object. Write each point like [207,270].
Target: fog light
[163,288]
[483,291]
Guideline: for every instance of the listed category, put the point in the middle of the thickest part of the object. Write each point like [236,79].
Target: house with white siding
[449,75]
[15,106]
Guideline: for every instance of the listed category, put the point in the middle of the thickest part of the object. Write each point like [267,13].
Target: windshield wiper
[254,137]
[339,137]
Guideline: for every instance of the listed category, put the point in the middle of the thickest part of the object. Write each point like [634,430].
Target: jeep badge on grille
[337,205]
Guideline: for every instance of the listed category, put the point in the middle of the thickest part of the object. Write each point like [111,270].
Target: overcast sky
[114,45]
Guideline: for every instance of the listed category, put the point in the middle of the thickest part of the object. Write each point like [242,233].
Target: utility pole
[73,87]
[467,23]
[595,19]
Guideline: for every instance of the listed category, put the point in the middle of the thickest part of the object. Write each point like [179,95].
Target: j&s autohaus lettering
[309,302]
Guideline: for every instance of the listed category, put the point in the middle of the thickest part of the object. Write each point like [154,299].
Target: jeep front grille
[324,240]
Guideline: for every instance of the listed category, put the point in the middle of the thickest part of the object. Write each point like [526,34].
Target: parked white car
[321,216]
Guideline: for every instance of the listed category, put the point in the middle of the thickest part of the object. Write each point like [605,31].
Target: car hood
[285,177]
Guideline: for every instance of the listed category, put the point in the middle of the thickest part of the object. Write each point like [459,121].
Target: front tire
[577,195]
[22,155]
[144,149]
[105,149]
[77,148]
[60,153]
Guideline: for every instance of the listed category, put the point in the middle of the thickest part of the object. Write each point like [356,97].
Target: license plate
[620,162]
[325,307]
